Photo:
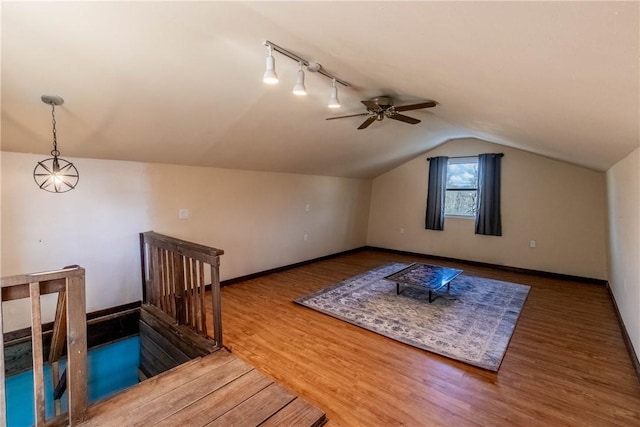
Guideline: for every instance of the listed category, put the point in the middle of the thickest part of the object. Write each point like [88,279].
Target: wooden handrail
[173,276]
[42,277]
[71,282]
[183,247]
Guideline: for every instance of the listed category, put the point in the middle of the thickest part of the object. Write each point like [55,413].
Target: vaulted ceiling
[181,82]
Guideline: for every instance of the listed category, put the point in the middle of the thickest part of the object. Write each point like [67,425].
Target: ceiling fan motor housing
[382,101]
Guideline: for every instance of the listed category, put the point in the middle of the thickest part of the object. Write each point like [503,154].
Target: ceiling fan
[382,106]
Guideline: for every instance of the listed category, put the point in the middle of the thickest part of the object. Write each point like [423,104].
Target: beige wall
[258,218]
[560,206]
[623,191]
[95,226]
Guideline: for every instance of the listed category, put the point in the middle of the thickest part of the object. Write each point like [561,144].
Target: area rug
[472,323]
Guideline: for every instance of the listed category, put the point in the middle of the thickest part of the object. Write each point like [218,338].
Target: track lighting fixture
[333,101]
[299,88]
[270,76]
[55,175]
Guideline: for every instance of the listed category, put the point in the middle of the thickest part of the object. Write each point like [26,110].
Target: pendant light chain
[54,152]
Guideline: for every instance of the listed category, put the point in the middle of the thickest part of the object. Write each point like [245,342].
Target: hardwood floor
[214,390]
[566,364]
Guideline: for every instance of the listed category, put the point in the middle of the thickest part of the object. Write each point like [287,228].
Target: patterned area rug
[473,322]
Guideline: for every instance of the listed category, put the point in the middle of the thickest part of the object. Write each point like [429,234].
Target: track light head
[270,76]
[299,88]
[334,102]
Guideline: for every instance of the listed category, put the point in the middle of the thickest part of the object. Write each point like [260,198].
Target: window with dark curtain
[434,216]
[488,217]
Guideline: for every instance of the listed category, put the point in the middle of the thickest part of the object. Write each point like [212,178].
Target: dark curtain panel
[434,218]
[488,220]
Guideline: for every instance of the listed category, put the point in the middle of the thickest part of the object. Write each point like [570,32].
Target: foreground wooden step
[215,390]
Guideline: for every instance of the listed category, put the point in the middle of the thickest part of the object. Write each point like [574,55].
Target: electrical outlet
[532,243]
[307,207]
[305,237]
[183,213]
[401,230]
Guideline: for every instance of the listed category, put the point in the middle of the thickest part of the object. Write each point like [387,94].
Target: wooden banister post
[37,353]
[3,406]
[178,288]
[216,301]
[76,348]
[143,264]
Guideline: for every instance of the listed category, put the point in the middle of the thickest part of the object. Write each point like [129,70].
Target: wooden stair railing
[69,282]
[174,276]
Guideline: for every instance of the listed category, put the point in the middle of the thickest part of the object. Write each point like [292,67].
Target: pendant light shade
[334,102]
[55,174]
[270,76]
[299,88]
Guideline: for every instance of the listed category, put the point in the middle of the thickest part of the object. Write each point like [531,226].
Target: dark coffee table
[431,277]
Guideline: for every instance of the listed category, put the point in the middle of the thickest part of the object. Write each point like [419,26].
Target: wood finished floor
[566,365]
[215,390]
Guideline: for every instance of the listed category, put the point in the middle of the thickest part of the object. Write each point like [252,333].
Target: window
[462,187]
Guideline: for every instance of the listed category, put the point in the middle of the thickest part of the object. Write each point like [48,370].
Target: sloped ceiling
[180,82]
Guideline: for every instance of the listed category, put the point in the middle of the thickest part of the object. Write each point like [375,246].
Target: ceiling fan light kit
[270,76]
[382,106]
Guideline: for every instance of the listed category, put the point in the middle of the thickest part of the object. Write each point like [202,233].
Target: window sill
[461,216]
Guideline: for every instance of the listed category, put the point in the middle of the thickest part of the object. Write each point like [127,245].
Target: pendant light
[299,88]
[333,101]
[270,76]
[55,175]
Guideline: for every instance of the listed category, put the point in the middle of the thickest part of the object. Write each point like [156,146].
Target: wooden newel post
[217,301]
[37,353]
[76,349]
[3,405]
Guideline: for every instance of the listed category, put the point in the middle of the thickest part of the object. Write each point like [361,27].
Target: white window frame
[458,161]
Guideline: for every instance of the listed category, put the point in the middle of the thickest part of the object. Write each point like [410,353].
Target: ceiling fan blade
[428,104]
[371,105]
[343,117]
[403,118]
[367,122]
